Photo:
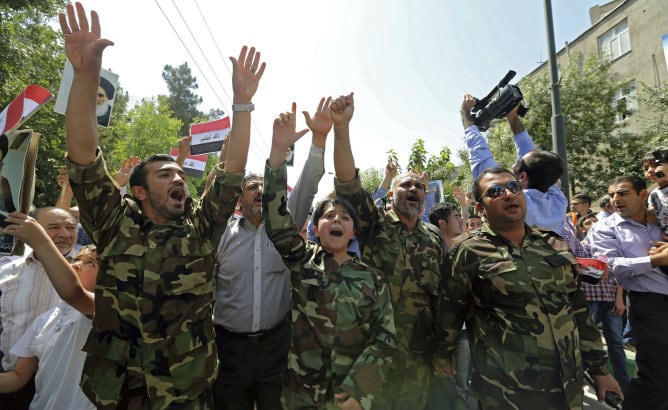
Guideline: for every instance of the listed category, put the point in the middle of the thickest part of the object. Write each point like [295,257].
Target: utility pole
[558,124]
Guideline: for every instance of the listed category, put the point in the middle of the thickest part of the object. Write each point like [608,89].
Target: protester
[251,313]
[25,293]
[527,320]
[152,344]
[54,340]
[407,252]
[343,335]
[638,262]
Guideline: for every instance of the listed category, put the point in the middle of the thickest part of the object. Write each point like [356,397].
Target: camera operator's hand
[465,110]
[514,120]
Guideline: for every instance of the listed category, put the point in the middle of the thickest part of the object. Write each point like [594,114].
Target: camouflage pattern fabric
[343,334]
[153,292]
[411,262]
[527,320]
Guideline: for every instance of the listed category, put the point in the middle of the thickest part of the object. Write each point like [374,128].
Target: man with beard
[104,101]
[516,288]
[26,292]
[408,253]
[251,314]
[152,343]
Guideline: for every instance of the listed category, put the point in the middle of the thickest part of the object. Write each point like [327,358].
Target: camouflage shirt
[411,262]
[343,334]
[153,316]
[526,317]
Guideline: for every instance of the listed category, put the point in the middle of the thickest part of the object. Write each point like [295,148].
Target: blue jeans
[612,332]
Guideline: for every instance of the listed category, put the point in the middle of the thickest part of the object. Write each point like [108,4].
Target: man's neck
[514,234]
[255,220]
[409,221]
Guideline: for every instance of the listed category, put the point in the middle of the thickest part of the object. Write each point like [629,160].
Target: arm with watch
[246,74]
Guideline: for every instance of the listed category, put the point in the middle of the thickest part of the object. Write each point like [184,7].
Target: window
[616,42]
[625,101]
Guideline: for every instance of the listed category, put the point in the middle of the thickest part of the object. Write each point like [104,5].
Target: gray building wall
[644,63]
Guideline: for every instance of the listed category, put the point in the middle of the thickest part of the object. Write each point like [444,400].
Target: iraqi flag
[22,107]
[208,136]
[194,165]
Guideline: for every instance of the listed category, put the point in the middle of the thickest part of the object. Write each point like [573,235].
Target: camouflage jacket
[343,334]
[411,263]
[153,293]
[527,320]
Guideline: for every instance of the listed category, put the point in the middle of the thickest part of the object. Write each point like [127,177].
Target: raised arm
[480,155]
[84,48]
[390,173]
[246,74]
[65,196]
[184,149]
[284,135]
[306,187]
[60,272]
[341,111]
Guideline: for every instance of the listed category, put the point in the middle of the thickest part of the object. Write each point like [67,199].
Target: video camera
[498,103]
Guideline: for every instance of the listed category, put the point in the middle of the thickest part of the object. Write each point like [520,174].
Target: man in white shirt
[26,292]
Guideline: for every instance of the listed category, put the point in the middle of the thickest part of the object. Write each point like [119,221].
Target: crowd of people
[388,300]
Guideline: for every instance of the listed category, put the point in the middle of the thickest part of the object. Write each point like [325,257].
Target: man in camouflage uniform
[152,342]
[343,336]
[526,315]
[408,253]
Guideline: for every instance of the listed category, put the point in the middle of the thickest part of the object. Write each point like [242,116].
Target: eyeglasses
[497,191]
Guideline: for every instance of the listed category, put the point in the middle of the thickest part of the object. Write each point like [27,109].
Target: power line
[220,54]
[197,65]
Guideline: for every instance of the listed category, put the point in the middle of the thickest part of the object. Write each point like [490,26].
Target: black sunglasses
[497,191]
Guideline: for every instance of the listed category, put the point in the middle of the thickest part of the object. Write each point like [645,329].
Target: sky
[409,63]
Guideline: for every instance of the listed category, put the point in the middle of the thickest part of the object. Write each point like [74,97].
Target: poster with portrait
[106,94]
[17,180]
[436,187]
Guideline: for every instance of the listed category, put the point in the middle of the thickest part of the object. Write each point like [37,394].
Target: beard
[161,207]
[103,109]
[402,207]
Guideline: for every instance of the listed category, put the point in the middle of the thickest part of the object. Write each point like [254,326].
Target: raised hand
[83,44]
[342,109]
[246,74]
[123,175]
[284,135]
[465,110]
[184,149]
[321,123]
[390,170]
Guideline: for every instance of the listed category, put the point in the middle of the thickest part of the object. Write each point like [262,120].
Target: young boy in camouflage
[343,335]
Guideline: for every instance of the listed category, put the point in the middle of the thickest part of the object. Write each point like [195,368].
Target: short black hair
[583,197]
[583,218]
[320,209]
[605,201]
[543,169]
[441,211]
[477,190]
[638,183]
[138,173]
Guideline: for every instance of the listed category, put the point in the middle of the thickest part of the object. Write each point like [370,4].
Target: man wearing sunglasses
[526,316]
[538,171]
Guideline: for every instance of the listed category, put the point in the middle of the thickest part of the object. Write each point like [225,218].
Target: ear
[315,231]
[138,192]
[479,208]
[523,178]
[442,223]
